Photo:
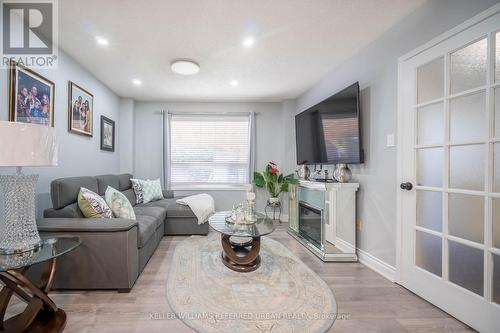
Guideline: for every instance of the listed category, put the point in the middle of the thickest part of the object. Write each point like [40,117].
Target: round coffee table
[241,242]
[41,313]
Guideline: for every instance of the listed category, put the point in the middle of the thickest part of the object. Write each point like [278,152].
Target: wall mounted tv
[329,132]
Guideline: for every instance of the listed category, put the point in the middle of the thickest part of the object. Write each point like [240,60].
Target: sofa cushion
[130,196]
[103,181]
[147,228]
[119,204]
[124,181]
[70,211]
[64,191]
[93,205]
[176,210]
[159,213]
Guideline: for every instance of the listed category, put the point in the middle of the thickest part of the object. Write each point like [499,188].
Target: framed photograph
[107,134]
[31,97]
[80,110]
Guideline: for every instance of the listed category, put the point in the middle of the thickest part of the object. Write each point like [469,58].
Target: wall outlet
[390,140]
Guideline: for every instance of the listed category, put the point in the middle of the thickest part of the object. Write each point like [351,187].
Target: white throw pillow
[119,204]
[152,190]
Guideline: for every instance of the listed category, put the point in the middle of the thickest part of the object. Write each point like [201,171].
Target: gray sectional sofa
[114,251]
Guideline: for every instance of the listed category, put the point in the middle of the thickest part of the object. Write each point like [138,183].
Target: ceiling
[296,43]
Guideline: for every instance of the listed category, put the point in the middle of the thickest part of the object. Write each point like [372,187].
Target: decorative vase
[303,172]
[274,201]
[342,173]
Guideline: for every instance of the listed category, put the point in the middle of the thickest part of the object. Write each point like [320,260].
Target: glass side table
[41,313]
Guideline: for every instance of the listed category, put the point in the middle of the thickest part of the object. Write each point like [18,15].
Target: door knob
[406,186]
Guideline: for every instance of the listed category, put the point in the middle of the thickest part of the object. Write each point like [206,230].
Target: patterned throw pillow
[93,205]
[138,190]
[119,204]
[152,190]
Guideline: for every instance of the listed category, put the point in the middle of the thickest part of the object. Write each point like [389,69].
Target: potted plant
[274,181]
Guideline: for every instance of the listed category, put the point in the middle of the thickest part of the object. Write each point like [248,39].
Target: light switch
[390,140]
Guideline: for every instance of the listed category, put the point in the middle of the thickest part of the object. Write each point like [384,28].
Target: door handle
[406,186]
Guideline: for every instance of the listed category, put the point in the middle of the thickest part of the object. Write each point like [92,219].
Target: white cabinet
[323,218]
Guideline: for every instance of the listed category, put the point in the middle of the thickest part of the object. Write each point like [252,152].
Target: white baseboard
[379,266]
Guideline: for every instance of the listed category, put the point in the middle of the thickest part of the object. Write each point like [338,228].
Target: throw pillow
[93,205]
[119,204]
[152,190]
[138,190]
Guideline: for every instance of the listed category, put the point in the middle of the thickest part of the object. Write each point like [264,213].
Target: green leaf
[273,178]
[284,187]
[258,179]
[271,189]
[280,178]
[291,179]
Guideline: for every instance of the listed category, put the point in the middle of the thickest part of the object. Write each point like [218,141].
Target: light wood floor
[367,301]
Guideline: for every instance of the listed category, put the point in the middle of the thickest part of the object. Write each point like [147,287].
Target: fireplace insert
[310,226]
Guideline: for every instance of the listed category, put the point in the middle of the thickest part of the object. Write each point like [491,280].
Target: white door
[449,163]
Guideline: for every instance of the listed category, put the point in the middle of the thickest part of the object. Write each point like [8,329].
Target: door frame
[402,135]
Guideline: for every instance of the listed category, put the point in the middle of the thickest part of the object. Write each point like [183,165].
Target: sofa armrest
[84,225]
[168,194]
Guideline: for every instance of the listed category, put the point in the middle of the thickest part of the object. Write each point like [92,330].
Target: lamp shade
[24,144]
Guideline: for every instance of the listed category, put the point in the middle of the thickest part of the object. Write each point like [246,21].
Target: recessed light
[102,41]
[234,83]
[185,67]
[248,42]
[137,82]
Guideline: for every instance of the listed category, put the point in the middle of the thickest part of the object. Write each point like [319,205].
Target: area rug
[283,295]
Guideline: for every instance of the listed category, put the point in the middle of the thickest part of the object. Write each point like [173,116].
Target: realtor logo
[29,33]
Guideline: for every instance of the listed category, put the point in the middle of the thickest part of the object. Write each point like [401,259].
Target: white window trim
[206,187]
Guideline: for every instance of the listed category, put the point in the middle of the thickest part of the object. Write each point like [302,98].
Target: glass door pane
[466,216]
[467,118]
[428,252]
[467,167]
[468,67]
[430,81]
[466,266]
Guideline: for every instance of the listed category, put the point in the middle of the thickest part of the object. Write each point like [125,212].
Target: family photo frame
[80,110]
[31,97]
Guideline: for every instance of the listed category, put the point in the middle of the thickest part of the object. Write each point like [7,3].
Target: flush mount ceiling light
[184,67]
[137,82]
[102,41]
[248,42]
[234,83]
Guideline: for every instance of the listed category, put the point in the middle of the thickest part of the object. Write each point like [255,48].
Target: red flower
[273,170]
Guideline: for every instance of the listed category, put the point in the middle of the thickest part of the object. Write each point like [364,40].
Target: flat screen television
[329,132]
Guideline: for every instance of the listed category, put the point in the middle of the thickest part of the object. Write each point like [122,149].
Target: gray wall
[375,67]
[78,155]
[148,140]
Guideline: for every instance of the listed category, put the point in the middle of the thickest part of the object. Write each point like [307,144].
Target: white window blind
[209,150]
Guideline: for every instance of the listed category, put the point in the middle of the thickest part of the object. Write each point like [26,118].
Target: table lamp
[22,145]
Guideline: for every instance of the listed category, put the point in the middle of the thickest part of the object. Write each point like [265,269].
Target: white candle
[250,196]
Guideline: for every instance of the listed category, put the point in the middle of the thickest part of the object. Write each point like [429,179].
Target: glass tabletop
[52,247]
[261,227]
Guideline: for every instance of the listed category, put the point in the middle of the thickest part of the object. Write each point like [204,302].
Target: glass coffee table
[41,313]
[241,242]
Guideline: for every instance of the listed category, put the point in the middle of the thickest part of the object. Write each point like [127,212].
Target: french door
[449,162]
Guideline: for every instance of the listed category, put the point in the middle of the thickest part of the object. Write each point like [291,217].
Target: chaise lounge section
[114,251]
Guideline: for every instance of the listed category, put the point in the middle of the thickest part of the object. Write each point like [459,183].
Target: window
[209,151]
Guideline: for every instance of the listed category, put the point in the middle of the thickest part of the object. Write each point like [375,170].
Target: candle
[250,196]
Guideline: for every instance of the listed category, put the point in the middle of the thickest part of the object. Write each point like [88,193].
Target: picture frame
[80,110]
[31,96]
[107,134]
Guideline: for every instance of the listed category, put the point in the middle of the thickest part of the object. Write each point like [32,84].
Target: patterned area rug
[283,295]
